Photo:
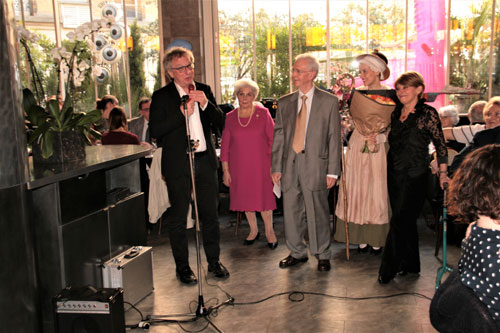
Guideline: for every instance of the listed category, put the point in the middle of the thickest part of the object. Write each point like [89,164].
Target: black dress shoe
[186,275]
[405,272]
[324,265]
[272,246]
[384,279]
[363,249]
[251,241]
[291,261]
[218,269]
[375,252]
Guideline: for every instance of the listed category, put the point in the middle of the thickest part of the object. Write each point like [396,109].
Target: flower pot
[68,147]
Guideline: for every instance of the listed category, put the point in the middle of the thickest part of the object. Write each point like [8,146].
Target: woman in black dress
[414,125]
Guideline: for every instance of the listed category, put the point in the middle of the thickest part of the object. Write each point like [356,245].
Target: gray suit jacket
[323,142]
[136,125]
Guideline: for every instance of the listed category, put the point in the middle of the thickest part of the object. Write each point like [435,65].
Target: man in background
[140,125]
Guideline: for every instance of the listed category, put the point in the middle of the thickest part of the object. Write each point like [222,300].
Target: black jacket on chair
[483,138]
[455,308]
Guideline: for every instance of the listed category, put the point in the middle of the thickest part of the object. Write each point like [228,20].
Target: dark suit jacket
[482,138]
[136,125]
[167,126]
[323,142]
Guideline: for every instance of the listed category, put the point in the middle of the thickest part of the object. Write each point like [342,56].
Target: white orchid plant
[46,116]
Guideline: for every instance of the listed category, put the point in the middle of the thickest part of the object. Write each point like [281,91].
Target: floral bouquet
[371,112]
[342,87]
[50,117]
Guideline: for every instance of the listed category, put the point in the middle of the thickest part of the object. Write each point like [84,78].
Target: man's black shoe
[218,269]
[186,275]
[291,261]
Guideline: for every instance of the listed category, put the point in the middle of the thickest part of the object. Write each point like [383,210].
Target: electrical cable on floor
[293,296]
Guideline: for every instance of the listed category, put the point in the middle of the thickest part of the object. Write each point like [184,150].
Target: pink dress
[248,153]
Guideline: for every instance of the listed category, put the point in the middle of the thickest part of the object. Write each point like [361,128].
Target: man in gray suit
[306,159]
[140,125]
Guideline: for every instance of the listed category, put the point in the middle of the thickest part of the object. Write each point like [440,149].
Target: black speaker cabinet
[89,310]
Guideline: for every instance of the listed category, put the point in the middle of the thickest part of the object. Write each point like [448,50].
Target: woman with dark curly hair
[414,125]
[474,195]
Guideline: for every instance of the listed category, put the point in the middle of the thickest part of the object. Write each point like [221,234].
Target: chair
[456,308]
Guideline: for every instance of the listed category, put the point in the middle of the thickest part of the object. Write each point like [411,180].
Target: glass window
[144,50]
[426,49]
[347,37]
[39,19]
[309,32]
[386,32]
[113,81]
[470,35]
[273,64]
[236,44]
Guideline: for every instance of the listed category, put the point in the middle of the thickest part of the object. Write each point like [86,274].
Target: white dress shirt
[144,130]
[195,126]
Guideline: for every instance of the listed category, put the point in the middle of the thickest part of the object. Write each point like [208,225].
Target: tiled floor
[255,276]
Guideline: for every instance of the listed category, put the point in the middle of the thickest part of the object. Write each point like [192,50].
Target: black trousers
[179,191]
[407,195]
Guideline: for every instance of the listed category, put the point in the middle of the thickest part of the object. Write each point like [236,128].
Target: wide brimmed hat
[384,75]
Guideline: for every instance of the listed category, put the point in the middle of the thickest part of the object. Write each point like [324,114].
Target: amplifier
[131,270]
[89,310]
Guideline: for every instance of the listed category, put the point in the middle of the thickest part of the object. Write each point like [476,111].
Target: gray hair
[450,111]
[246,83]
[176,52]
[475,112]
[312,61]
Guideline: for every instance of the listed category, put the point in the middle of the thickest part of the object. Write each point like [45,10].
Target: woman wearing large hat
[365,173]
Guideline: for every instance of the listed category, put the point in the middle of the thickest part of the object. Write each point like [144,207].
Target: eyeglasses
[186,68]
[298,71]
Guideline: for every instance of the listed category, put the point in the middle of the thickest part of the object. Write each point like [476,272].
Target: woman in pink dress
[246,146]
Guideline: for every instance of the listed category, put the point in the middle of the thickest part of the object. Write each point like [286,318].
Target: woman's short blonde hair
[495,100]
[246,83]
[412,79]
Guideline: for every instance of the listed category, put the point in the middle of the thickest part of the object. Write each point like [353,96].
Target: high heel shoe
[272,246]
[251,241]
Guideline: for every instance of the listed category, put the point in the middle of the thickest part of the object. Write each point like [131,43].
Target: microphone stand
[201,310]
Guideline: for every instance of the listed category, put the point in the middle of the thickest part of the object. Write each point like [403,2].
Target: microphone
[184,98]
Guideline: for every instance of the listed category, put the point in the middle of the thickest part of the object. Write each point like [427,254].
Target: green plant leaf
[73,121]
[85,135]
[96,134]
[53,107]
[47,145]
[68,117]
[28,99]
[90,118]
[39,132]
[36,115]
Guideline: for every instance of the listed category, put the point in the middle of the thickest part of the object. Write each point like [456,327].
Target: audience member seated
[105,104]
[490,135]
[474,196]
[140,125]
[465,133]
[449,118]
[118,133]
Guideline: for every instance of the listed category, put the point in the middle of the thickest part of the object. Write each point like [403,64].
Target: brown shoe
[291,261]
[324,265]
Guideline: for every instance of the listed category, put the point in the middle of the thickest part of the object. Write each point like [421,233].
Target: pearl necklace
[249,119]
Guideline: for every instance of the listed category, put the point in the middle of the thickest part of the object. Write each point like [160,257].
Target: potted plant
[57,132]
